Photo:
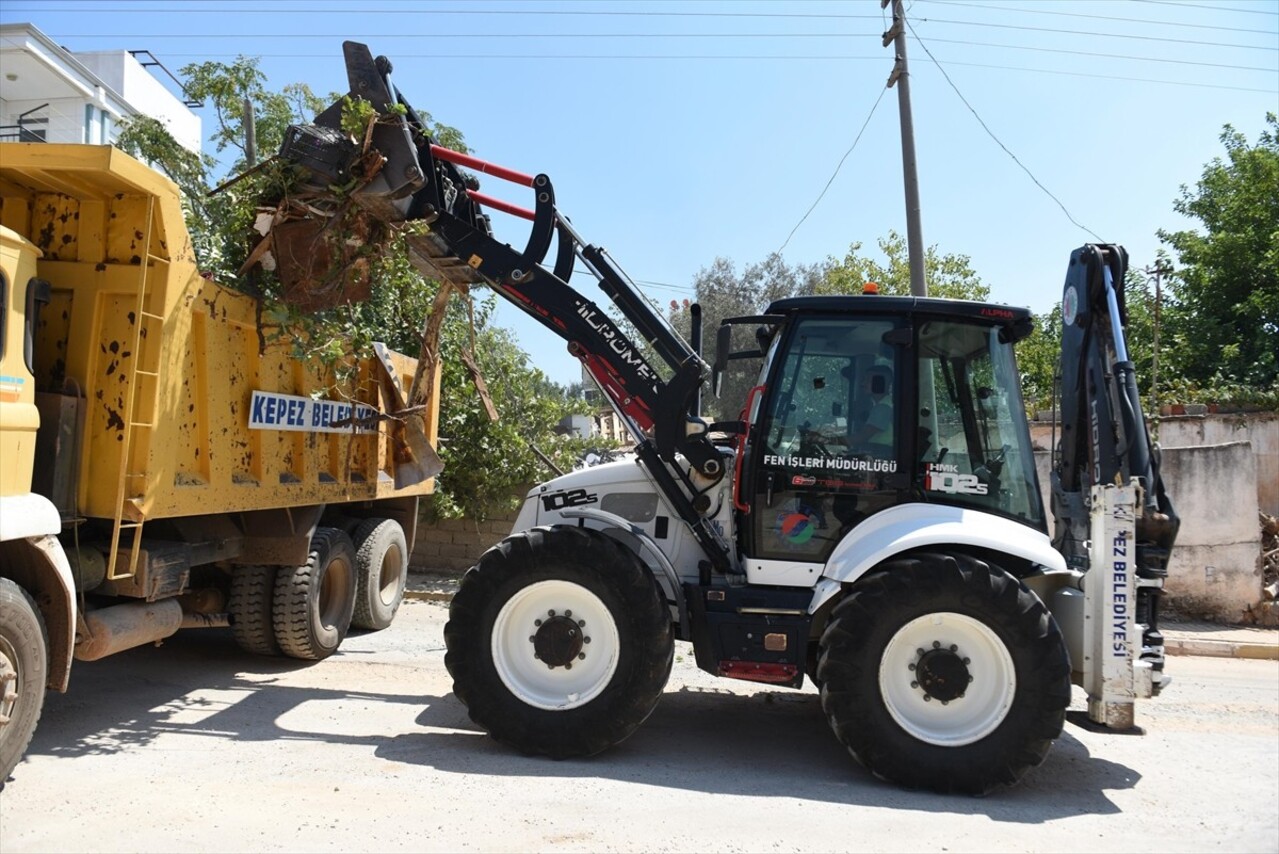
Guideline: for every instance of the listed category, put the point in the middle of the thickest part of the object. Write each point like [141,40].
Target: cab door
[20,293]
[816,465]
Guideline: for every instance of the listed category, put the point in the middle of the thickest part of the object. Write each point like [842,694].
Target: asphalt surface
[196,746]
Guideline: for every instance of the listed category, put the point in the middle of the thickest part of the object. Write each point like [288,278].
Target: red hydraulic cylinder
[499,205]
[481,165]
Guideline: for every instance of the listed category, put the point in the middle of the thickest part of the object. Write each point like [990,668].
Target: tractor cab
[869,402]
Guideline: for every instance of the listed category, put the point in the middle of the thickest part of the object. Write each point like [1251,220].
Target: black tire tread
[296,589]
[852,644]
[609,569]
[252,612]
[23,627]
[371,540]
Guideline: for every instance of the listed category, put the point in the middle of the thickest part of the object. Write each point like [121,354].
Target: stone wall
[454,545]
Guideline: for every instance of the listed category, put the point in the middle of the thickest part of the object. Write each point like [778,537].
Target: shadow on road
[769,744]
[200,684]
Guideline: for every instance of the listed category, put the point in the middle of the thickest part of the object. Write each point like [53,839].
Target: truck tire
[24,669]
[381,571]
[559,642]
[943,672]
[314,602]
[251,605]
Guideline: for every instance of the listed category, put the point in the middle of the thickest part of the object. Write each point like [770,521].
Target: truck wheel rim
[389,577]
[555,645]
[10,686]
[947,679]
[335,591]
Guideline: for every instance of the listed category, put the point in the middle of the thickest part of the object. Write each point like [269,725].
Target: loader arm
[1104,439]
[401,176]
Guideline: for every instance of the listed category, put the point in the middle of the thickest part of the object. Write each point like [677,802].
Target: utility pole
[250,135]
[1160,269]
[900,76]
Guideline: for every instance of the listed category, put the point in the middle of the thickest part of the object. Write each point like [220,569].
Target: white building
[49,94]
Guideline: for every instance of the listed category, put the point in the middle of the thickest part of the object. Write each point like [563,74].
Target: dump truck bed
[187,408]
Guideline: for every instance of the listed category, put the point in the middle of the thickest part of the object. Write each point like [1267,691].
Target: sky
[679,131]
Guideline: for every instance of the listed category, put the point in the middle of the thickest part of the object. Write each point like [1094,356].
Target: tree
[950,276]
[484,459]
[722,293]
[1223,318]
[1038,357]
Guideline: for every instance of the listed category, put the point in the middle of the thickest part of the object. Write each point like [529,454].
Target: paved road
[197,747]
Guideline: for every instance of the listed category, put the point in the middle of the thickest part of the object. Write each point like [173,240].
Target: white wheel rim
[960,720]
[530,679]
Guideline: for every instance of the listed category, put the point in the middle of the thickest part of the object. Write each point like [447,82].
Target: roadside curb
[429,595]
[1221,649]
[431,587]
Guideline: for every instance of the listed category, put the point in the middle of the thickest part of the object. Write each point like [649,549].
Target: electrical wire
[736,57]
[991,133]
[1094,34]
[838,166]
[935,40]
[1096,17]
[1213,7]
[184,9]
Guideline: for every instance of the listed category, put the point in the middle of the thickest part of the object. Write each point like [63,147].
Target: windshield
[974,441]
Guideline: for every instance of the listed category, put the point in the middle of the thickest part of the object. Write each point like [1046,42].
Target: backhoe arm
[1105,447]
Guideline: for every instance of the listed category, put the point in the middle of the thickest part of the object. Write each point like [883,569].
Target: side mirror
[723,341]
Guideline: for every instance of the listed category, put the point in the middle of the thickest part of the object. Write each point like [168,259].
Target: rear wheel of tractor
[381,571]
[559,642]
[24,669]
[943,672]
[251,607]
[314,602]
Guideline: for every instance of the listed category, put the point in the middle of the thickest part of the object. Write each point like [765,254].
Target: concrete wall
[119,70]
[1260,429]
[1215,570]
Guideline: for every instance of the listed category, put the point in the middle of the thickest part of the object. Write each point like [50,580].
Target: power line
[839,165]
[452,36]
[183,8]
[730,57]
[1108,55]
[389,36]
[1098,17]
[1213,7]
[647,282]
[1094,34]
[1115,77]
[986,128]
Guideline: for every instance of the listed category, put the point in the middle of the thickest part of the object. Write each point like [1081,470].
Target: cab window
[829,438]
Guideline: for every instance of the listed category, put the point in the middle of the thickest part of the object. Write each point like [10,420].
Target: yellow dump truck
[165,465]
